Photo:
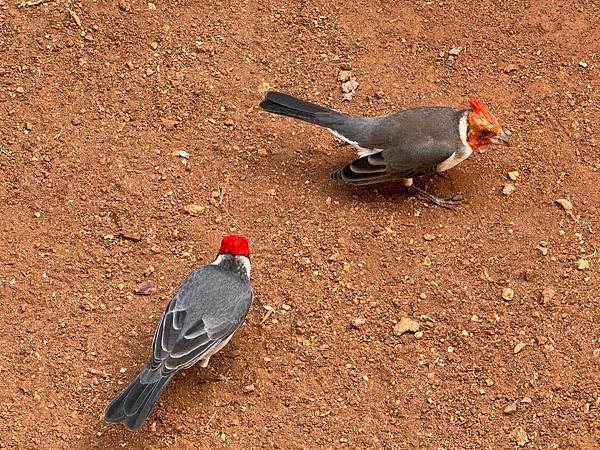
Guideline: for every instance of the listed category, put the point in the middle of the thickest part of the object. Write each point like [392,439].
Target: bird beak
[500,138]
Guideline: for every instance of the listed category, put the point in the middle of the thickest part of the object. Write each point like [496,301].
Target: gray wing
[387,166]
[405,144]
[209,307]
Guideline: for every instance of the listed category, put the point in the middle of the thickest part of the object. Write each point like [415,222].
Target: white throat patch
[245,262]
[464,153]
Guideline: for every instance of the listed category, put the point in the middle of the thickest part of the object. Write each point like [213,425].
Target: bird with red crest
[203,315]
[402,145]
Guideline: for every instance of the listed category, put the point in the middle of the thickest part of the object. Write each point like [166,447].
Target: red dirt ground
[91,195]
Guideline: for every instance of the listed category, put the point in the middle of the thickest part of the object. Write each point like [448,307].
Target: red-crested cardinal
[206,311]
[401,145]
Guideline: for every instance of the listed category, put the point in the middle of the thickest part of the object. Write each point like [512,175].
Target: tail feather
[133,405]
[286,105]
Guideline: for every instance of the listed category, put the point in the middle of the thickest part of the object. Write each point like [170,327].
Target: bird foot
[219,377]
[448,203]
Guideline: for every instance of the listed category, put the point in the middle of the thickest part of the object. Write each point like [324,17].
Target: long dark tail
[133,405]
[286,105]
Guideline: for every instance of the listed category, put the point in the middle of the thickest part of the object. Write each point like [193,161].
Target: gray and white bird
[206,311]
[401,145]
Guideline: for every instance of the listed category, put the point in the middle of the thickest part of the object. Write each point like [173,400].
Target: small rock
[128,236]
[286,307]
[154,45]
[249,388]
[521,437]
[583,64]
[124,5]
[261,152]
[510,68]
[509,188]
[193,209]
[151,6]
[510,408]
[406,325]
[514,175]
[455,51]
[489,382]
[520,346]
[418,335]
[583,264]
[344,75]
[547,295]
[541,340]
[145,287]
[76,121]
[566,204]
[169,124]
[358,322]
[508,294]
[20,89]
[149,271]
[349,89]
[429,236]
[345,66]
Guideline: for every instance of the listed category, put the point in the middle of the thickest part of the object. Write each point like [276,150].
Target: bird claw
[219,377]
[448,203]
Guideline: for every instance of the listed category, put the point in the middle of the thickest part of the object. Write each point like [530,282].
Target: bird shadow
[321,165]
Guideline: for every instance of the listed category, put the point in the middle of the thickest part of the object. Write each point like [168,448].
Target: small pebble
[508,294]
[406,325]
[194,210]
[547,295]
[583,264]
[510,408]
[521,437]
[145,287]
[358,322]
[508,189]
[566,204]
[520,346]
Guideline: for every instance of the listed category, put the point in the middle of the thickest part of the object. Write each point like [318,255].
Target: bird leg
[432,198]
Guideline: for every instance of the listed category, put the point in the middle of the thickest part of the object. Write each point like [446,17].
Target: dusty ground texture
[97,99]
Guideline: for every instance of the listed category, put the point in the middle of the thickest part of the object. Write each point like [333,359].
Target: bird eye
[485,133]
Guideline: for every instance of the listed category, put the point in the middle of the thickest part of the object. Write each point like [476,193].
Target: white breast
[464,153]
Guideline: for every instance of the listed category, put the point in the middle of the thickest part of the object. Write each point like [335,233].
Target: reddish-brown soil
[92,194]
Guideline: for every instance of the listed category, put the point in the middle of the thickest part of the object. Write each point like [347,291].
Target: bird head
[483,127]
[236,245]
